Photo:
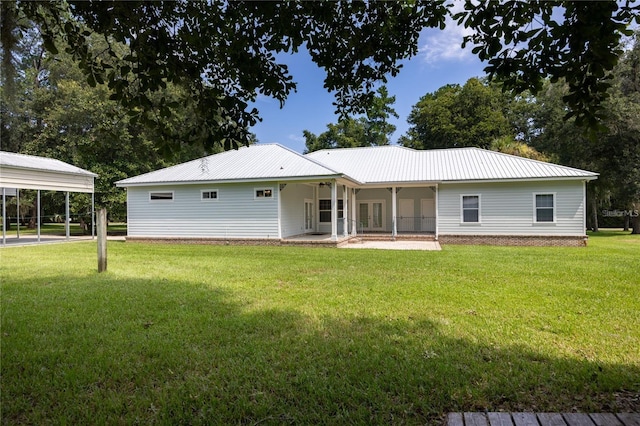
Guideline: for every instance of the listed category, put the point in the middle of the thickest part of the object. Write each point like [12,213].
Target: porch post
[18,213]
[316,207]
[436,208]
[4,217]
[345,211]
[334,210]
[67,219]
[38,206]
[394,229]
[354,218]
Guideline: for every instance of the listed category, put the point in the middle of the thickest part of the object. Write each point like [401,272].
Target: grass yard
[178,334]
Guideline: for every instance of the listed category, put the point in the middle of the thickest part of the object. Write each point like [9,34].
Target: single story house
[267,193]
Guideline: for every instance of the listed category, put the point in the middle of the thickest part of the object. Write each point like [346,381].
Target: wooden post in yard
[102,240]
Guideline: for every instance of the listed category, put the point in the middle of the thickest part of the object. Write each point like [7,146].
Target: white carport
[20,171]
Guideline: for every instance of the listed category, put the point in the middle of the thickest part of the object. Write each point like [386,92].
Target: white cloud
[296,138]
[445,45]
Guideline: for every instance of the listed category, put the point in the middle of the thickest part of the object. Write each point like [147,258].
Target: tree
[223,53]
[57,114]
[458,116]
[372,129]
[614,151]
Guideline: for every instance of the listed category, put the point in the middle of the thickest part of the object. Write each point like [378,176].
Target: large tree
[459,116]
[223,53]
[57,114]
[614,151]
[371,129]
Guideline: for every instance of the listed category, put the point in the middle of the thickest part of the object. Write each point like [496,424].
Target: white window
[470,207]
[161,196]
[324,207]
[264,193]
[209,195]
[544,208]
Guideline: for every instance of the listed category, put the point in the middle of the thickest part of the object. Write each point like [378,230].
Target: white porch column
[38,207]
[67,219]
[354,218]
[394,213]
[437,214]
[18,213]
[334,210]
[345,212]
[4,217]
[316,207]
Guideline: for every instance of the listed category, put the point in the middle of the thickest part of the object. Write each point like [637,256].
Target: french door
[371,215]
[308,215]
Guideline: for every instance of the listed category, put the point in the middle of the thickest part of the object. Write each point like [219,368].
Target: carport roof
[32,172]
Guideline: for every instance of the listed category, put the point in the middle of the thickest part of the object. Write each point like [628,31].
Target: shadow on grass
[163,351]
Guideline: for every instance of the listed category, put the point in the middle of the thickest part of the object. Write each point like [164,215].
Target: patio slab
[394,245]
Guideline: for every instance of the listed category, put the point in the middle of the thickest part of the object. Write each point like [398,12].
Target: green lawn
[179,334]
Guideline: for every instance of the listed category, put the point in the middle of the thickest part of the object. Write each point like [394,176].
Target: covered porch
[336,210]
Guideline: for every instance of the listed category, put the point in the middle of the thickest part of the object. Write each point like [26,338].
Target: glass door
[371,215]
[308,216]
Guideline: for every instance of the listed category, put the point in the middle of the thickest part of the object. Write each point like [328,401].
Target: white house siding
[508,208]
[292,208]
[235,214]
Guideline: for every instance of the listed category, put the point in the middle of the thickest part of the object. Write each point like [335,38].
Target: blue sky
[440,61]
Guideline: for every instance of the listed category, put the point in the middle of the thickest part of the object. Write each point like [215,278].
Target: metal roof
[368,165]
[23,161]
[395,164]
[252,163]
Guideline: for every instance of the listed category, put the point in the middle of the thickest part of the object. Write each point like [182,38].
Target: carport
[20,171]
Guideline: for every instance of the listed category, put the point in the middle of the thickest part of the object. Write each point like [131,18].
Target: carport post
[18,213]
[66,213]
[4,217]
[38,206]
[93,214]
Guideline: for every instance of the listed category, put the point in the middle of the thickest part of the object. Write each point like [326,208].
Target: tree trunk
[626,222]
[635,224]
[594,211]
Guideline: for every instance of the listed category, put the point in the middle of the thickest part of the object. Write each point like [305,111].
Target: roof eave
[124,184]
[84,173]
[524,179]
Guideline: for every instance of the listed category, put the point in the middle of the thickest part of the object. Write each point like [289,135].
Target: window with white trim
[545,208]
[209,195]
[324,207]
[161,196]
[264,193]
[470,208]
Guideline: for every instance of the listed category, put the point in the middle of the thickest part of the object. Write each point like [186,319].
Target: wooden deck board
[629,419]
[578,419]
[455,419]
[605,419]
[542,419]
[551,419]
[475,419]
[525,419]
[500,419]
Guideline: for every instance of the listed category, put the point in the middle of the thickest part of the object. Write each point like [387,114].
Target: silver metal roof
[395,164]
[256,162]
[365,166]
[23,161]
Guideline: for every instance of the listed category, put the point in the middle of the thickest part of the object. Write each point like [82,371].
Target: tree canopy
[223,54]
[371,129]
